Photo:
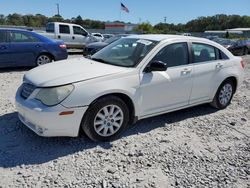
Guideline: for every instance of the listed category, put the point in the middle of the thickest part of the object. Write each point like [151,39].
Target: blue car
[26,48]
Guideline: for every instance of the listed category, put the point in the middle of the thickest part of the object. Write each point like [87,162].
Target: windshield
[125,52]
[112,39]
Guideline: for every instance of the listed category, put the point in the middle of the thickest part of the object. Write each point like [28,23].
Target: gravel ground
[196,147]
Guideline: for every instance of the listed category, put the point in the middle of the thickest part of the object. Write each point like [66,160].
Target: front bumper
[46,121]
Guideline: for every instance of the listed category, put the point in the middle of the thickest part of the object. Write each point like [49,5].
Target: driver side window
[79,31]
[174,54]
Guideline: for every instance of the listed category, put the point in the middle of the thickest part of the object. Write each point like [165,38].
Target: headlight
[55,95]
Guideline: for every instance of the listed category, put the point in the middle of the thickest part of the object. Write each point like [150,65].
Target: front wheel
[106,119]
[224,95]
[245,51]
[43,59]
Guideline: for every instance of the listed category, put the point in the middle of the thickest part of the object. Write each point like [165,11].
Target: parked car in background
[224,42]
[243,46]
[133,78]
[186,34]
[73,35]
[99,37]
[238,47]
[107,36]
[26,48]
[94,47]
[212,37]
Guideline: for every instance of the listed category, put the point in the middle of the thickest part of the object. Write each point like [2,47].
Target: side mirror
[156,66]
[85,34]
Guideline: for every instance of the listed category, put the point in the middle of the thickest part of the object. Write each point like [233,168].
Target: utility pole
[165,19]
[58,8]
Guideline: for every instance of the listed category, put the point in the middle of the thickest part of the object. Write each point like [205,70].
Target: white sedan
[131,79]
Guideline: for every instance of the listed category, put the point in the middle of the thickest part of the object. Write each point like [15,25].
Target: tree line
[201,24]
[39,20]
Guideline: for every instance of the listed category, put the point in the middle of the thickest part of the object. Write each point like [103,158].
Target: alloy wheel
[108,120]
[226,93]
[43,59]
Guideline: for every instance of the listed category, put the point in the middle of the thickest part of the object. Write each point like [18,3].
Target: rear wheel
[43,59]
[106,119]
[224,95]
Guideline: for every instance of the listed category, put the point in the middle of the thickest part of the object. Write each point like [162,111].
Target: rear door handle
[38,45]
[219,66]
[59,36]
[186,71]
[73,37]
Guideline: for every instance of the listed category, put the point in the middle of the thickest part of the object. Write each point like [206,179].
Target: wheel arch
[46,53]
[132,109]
[128,101]
[232,78]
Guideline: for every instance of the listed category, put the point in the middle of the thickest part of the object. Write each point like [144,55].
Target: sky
[153,11]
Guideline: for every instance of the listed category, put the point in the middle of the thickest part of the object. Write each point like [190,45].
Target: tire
[43,59]
[99,124]
[245,51]
[224,95]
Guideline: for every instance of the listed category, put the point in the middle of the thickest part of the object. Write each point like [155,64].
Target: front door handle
[38,45]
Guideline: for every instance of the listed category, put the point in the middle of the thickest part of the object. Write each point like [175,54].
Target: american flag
[124,8]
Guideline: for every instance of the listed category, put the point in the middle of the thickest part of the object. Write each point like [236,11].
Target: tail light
[242,63]
[63,46]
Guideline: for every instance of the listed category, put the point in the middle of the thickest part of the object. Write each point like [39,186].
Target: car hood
[70,71]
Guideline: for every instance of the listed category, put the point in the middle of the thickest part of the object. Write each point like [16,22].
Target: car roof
[43,38]
[14,29]
[161,37]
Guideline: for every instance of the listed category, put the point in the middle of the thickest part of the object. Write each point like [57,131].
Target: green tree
[2,19]
[78,20]
[145,28]
[15,19]
[56,18]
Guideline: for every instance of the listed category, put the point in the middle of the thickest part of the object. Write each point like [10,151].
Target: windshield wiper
[100,60]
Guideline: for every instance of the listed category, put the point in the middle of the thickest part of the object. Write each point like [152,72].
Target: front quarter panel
[86,92]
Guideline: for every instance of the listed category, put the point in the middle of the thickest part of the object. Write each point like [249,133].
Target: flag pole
[120,12]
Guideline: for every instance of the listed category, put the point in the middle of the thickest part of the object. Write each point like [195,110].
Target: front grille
[27,90]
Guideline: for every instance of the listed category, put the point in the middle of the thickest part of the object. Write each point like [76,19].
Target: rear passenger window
[50,28]
[204,52]
[64,29]
[16,36]
[173,54]
[223,55]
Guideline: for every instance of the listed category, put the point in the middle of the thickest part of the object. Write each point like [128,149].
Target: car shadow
[167,119]
[15,69]
[20,146]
